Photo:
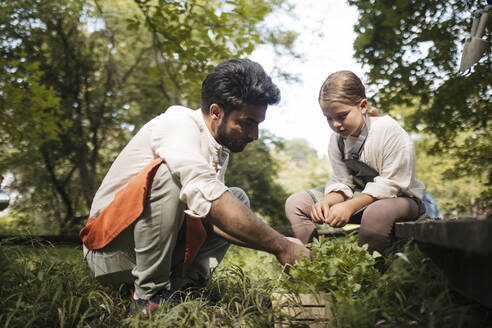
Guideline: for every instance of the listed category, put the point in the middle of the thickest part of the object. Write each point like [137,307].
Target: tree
[411,49]
[255,170]
[79,77]
[300,167]
[455,196]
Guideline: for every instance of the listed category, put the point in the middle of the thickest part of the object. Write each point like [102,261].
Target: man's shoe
[150,306]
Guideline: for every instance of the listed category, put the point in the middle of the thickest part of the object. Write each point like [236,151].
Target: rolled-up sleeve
[398,170]
[178,141]
[340,178]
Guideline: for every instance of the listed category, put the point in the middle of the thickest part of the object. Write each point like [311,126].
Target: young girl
[368,153]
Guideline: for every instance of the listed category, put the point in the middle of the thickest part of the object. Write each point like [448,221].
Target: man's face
[240,127]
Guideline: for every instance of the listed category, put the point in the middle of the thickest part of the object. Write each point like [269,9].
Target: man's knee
[241,195]
[110,268]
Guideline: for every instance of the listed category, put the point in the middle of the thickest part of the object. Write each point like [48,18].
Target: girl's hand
[339,215]
[319,211]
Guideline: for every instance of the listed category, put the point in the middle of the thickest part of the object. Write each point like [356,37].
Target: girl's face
[346,120]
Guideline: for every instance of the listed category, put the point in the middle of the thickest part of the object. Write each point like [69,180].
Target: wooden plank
[319,299]
[468,272]
[469,235]
[316,299]
[462,248]
[301,324]
[310,313]
[337,232]
[310,310]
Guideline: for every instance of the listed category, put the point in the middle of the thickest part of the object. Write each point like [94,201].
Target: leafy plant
[52,287]
[339,265]
[412,292]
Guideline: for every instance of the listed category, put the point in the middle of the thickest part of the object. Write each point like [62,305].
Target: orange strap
[195,237]
[127,206]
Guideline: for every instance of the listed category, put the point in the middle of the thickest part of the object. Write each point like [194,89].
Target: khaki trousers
[149,253]
[376,220]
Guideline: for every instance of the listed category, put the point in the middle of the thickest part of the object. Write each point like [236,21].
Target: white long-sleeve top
[181,138]
[389,150]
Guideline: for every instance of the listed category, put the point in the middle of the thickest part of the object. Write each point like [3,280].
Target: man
[165,191]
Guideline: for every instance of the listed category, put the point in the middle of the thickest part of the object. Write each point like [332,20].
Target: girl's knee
[376,209]
[298,202]
[378,220]
[297,209]
[391,210]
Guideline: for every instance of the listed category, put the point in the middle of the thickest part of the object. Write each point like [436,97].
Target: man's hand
[239,225]
[295,240]
[293,252]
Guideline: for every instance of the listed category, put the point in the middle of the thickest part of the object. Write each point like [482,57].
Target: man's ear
[215,112]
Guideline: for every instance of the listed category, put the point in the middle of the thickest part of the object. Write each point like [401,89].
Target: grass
[52,287]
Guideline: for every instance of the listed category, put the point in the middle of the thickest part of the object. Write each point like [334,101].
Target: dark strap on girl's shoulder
[359,144]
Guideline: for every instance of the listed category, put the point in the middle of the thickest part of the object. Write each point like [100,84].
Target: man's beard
[233,144]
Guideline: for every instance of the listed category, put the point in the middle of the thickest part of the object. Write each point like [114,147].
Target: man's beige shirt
[180,137]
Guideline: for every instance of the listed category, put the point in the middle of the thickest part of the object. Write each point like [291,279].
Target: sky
[326,44]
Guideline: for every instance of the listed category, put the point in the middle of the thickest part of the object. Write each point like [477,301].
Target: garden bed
[462,248]
[52,287]
[312,310]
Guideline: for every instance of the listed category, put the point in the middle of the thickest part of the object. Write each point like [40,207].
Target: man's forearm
[228,237]
[232,217]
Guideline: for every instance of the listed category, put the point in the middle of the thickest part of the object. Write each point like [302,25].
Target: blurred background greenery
[79,77]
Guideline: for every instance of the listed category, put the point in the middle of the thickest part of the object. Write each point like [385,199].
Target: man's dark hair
[236,82]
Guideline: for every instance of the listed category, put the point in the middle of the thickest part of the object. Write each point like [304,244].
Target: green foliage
[300,168]
[407,289]
[14,223]
[340,266]
[247,259]
[79,77]
[23,95]
[412,292]
[232,299]
[255,170]
[457,193]
[46,288]
[52,287]
[411,50]
[299,150]
[56,172]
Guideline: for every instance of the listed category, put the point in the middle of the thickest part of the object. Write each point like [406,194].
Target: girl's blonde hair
[344,87]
